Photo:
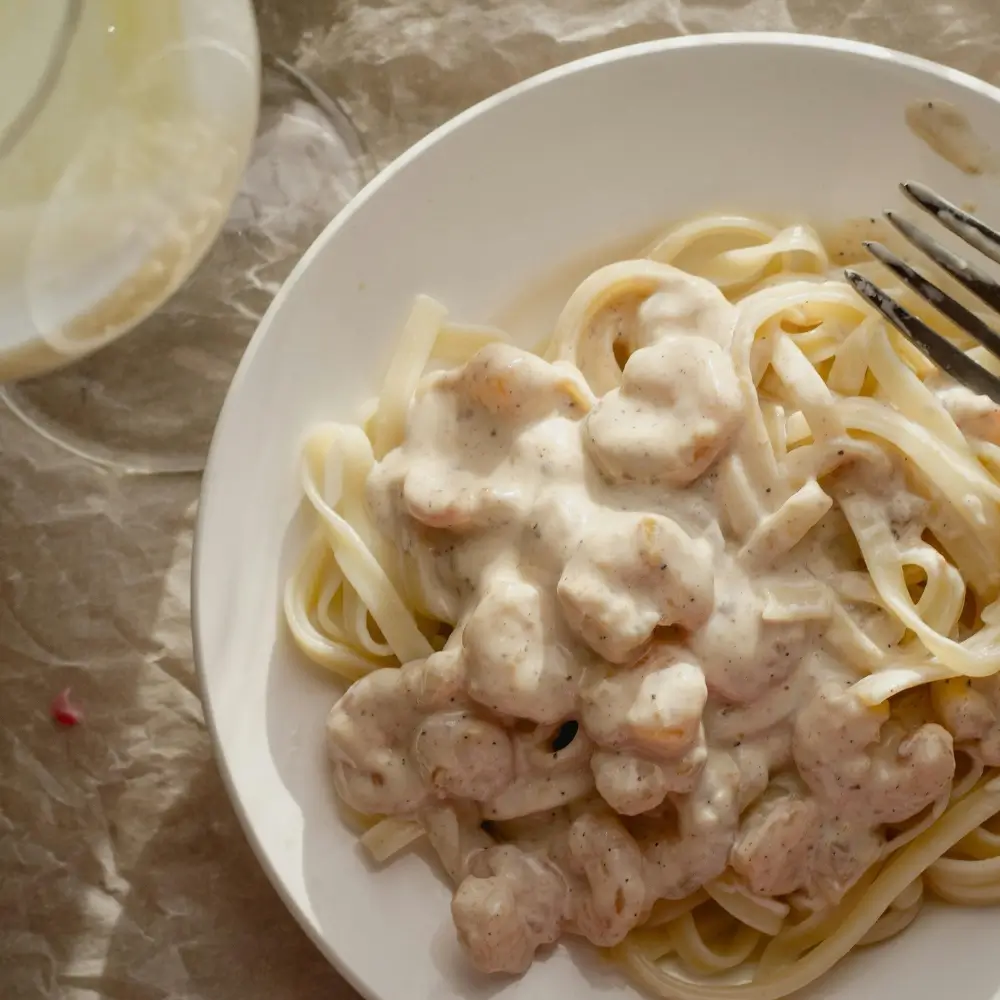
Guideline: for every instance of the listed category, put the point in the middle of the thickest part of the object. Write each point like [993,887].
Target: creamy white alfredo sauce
[626,709]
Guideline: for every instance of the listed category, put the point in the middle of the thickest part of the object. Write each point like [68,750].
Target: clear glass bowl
[124,131]
[132,233]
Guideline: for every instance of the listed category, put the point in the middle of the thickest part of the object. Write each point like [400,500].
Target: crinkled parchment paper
[123,872]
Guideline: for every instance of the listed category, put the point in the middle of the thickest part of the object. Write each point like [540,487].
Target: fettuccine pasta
[681,635]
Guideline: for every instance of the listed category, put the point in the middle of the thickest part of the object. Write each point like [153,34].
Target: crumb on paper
[64,711]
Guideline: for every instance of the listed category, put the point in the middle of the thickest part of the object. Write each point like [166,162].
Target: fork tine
[944,353]
[930,292]
[971,277]
[966,226]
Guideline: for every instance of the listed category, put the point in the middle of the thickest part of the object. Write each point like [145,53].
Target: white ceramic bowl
[571,161]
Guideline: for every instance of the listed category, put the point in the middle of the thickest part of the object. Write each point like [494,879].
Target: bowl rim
[762,39]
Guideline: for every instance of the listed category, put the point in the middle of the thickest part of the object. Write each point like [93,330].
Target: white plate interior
[786,126]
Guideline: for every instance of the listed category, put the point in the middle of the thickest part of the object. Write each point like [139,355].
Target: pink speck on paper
[63,711]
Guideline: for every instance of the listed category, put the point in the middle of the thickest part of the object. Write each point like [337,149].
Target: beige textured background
[123,872]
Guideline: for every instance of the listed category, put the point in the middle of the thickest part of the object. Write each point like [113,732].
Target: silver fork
[977,234]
